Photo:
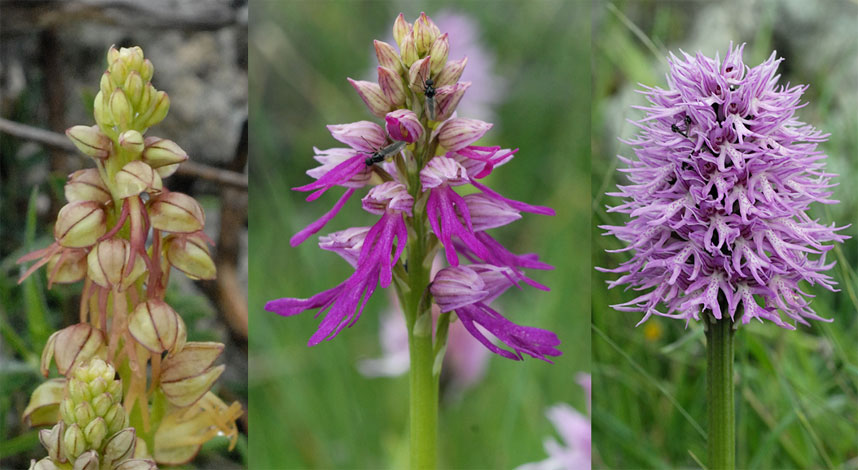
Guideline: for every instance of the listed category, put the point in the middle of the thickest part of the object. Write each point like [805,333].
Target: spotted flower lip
[724,175]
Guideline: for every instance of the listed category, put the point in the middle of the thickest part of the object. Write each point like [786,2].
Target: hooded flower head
[724,177]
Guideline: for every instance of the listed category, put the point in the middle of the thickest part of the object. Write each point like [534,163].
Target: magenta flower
[719,193]
[413,162]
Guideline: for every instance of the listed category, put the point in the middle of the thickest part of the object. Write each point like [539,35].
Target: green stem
[423,387]
[719,383]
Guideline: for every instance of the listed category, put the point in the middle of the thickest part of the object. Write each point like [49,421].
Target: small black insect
[429,92]
[384,152]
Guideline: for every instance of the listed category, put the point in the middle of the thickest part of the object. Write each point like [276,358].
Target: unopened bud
[408,50]
[391,84]
[451,72]
[119,447]
[137,177]
[162,152]
[74,442]
[188,375]
[439,52]
[89,140]
[425,33]
[447,99]
[136,464]
[387,56]
[156,326]
[134,87]
[147,70]
[132,57]
[372,96]
[401,28]
[83,413]
[190,254]
[86,185]
[101,403]
[159,107]
[112,55]
[106,264]
[116,418]
[95,432]
[51,440]
[73,345]
[44,464]
[102,113]
[87,461]
[418,73]
[176,212]
[120,108]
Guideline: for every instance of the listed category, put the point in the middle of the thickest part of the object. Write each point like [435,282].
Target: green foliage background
[797,392]
[309,407]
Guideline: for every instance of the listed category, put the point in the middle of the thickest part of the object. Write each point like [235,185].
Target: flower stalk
[719,394]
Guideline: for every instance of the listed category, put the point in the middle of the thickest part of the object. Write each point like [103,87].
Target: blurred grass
[310,405]
[797,392]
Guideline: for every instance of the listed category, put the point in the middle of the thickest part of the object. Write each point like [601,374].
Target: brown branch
[59,141]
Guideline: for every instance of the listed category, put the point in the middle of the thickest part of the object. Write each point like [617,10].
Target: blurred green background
[797,392]
[310,408]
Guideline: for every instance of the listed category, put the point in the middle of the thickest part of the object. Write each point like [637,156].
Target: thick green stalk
[719,383]
[424,389]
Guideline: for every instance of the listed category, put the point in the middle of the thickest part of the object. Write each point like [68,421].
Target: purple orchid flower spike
[719,193]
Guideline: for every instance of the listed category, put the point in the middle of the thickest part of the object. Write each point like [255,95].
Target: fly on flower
[381,154]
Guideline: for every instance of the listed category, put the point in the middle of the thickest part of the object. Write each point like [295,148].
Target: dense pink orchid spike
[724,176]
[413,161]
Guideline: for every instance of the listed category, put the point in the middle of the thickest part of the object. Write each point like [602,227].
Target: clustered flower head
[724,176]
[101,238]
[413,162]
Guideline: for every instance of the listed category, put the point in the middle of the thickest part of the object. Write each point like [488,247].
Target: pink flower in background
[573,453]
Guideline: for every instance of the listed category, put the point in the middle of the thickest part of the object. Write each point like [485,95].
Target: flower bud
[95,432]
[120,108]
[401,29]
[372,96]
[391,196]
[408,50]
[67,267]
[147,70]
[403,125]
[391,85]
[101,403]
[51,440]
[107,261]
[451,73]
[135,178]
[132,142]
[418,73]
[86,185]
[159,107]
[162,152]
[89,140]
[136,464]
[168,170]
[458,133]
[44,464]
[134,87]
[188,375]
[102,113]
[439,52]
[83,413]
[387,56]
[190,254]
[74,441]
[132,57]
[115,417]
[425,32]
[176,212]
[156,326]
[119,447]
[87,461]
[73,345]
[80,224]
[44,404]
[447,99]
